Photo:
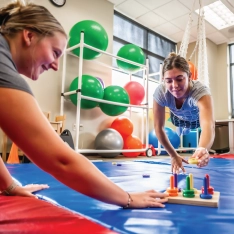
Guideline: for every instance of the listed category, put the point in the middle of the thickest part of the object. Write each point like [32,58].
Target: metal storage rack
[144,107]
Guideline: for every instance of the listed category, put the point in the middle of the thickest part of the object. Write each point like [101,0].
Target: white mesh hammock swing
[202,65]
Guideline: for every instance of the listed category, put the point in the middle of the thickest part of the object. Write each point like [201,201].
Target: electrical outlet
[74,127]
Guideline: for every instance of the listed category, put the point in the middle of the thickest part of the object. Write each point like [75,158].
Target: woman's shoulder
[199,90]
[160,88]
[199,84]
[9,76]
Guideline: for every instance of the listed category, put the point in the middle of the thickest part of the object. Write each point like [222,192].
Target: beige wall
[222,84]
[92,120]
[47,89]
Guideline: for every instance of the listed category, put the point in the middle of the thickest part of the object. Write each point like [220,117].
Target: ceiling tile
[228,32]
[167,29]
[189,3]
[181,22]
[132,8]
[170,17]
[192,39]
[209,29]
[194,32]
[177,37]
[169,12]
[116,2]
[217,37]
[152,4]
[151,20]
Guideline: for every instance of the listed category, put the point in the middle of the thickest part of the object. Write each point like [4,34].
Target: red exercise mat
[29,215]
[229,156]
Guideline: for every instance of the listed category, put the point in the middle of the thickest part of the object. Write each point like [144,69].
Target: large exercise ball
[133,53]
[171,134]
[114,93]
[193,70]
[109,139]
[91,87]
[94,35]
[123,125]
[132,142]
[135,91]
[101,81]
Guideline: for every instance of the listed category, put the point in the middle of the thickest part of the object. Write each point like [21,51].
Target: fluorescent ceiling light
[218,15]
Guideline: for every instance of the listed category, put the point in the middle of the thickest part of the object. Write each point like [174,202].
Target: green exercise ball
[114,93]
[94,35]
[91,87]
[133,53]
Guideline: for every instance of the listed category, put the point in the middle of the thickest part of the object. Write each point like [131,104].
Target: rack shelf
[144,107]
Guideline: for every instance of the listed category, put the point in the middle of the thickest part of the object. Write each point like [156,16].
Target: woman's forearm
[164,141]
[45,148]
[81,175]
[207,122]
[207,136]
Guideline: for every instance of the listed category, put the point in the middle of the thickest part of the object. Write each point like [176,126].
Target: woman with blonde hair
[190,106]
[31,42]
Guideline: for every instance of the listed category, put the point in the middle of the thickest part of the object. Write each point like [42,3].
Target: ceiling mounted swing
[201,72]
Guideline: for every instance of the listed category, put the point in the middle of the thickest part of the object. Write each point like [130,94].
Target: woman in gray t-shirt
[190,105]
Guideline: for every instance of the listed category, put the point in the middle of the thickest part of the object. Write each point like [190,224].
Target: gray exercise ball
[109,139]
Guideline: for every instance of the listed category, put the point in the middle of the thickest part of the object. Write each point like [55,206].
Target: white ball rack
[144,107]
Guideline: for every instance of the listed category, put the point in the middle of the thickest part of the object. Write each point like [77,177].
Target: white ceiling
[169,17]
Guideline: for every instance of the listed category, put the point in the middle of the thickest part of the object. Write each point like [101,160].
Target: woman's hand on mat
[177,164]
[27,190]
[149,198]
[202,155]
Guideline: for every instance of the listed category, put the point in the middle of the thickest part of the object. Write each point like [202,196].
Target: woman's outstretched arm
[22,120]
[207,122]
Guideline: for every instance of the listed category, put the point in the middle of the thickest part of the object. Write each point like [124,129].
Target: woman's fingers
[176,164]
[149,198]
[157,195]
[35,187]
[185,161]
[182,167]
[157,202]
[176,169]
[203,161]
[202,156]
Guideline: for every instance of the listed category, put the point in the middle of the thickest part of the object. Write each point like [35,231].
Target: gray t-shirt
[189,110]
[9,76]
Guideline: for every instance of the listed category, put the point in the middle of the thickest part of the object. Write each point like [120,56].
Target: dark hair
[175,61]
[18,16]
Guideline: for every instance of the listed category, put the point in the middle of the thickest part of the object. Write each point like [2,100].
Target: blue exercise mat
[174,218]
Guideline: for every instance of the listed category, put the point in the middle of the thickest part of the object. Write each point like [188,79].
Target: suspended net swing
[202,65]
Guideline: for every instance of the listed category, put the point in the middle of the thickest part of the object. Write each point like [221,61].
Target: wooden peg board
[196,201]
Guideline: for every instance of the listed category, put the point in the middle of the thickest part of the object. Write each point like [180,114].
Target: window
[155,47]
[231,56]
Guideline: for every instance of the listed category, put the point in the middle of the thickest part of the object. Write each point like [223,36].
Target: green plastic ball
[114,93]
[91,87]
[94,35]
[133,53]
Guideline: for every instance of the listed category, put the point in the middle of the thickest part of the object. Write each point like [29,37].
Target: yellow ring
[193,161]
